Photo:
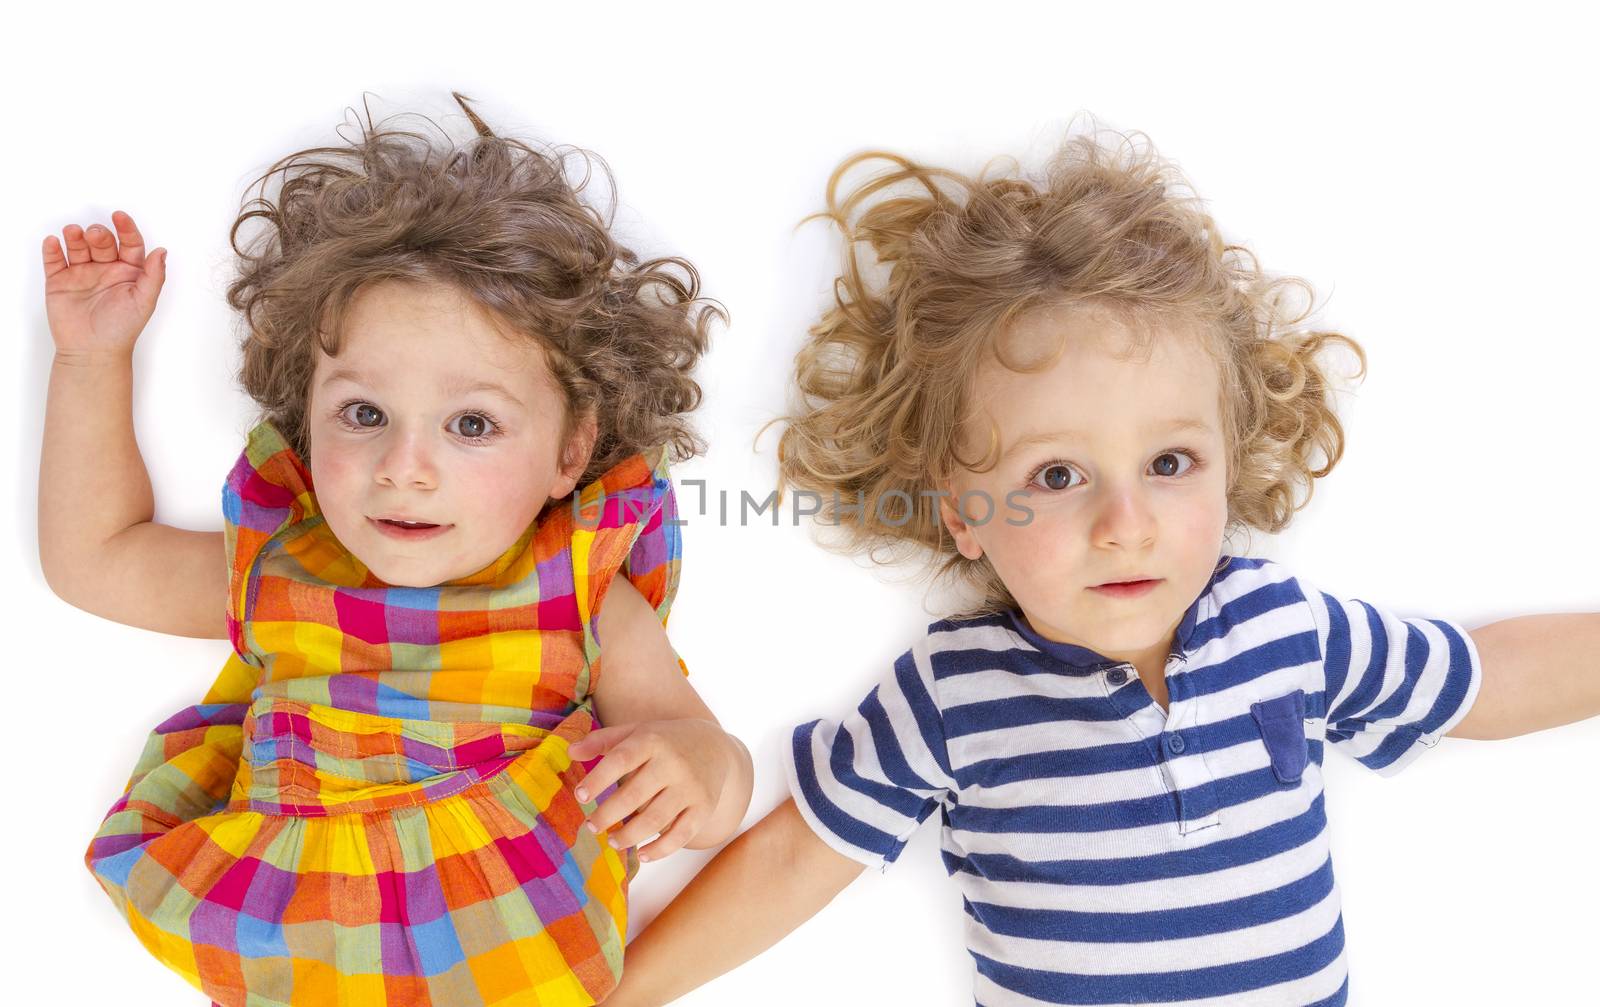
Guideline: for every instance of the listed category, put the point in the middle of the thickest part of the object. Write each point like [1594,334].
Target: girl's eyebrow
[454,385]
[1043,437]
[345,374]
[460,386]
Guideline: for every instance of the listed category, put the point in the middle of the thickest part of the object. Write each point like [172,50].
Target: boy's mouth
[1127,588]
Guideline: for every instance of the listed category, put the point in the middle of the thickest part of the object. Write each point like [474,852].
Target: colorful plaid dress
[374,804]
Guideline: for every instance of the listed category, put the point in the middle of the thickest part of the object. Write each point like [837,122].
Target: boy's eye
[1172,456]
[1055,477]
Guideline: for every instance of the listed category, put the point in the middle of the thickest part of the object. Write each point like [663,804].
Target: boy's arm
[767,882]
[1539,671]
[99,550]
[657,729]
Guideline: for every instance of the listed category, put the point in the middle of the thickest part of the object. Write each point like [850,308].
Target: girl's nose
[406,461]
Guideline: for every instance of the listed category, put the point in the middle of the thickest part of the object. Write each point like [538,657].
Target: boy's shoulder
[991,624]
[1260,597]
[1240,575]
[942,638]
[957,645]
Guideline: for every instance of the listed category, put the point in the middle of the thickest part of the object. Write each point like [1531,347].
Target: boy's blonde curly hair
[886,376]
[501,222]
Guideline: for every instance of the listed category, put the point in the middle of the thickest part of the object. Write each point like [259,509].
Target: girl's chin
[402,573]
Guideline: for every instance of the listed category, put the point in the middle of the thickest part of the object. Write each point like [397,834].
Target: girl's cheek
[504,493]
[334,473]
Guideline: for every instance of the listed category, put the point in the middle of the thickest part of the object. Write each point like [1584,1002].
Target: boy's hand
[101,292]
[676,770]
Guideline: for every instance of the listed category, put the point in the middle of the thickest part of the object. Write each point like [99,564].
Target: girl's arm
[767,882]
[680,773]
[1539,671]
[98,547]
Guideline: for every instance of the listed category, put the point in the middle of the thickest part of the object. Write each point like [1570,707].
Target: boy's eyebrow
[1185,423]
[455,385]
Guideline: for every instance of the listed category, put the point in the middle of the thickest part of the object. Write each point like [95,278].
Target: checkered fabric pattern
[374,803]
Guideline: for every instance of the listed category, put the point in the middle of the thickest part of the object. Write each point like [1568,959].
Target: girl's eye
[362,408]
[475,426]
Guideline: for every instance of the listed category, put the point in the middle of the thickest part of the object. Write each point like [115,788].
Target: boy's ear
[955,521]
[575,455]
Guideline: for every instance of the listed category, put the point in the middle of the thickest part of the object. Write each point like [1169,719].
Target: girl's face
[430,414]
[1121,464]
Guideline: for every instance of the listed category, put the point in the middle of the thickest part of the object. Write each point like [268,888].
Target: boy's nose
[1124,519]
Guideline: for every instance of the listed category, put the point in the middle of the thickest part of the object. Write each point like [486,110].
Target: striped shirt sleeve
[865,783]
[1393,686]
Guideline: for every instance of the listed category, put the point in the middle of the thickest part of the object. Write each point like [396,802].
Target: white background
[1430,172]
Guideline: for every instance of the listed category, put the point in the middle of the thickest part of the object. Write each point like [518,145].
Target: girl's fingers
[77,248]
[652,818]
[54,259]
[599,741]
[102,246]
[624,801]
[673,839]
[97,244]
[131,242]
[152,276]
[621,760]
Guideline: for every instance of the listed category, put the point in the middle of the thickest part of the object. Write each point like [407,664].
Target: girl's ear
[960,530]
[575,455]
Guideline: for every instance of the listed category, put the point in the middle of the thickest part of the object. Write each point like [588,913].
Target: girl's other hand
[675,771]
[101,292]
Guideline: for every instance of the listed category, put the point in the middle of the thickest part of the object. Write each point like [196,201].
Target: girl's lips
[1132,589]
[409,534]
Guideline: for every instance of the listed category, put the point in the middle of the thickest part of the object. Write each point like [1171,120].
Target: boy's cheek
[1202,527]
[1034,562]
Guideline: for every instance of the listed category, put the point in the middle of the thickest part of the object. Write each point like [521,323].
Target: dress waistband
[307,759]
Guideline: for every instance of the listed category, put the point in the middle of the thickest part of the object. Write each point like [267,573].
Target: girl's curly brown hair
[885,378]
[501,222]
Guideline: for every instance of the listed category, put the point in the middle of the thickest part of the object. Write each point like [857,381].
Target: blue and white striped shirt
[1108,852]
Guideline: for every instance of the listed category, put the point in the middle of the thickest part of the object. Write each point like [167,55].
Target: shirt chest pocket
[1282,725]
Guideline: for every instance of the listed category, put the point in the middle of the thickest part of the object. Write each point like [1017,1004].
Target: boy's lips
[1127,589]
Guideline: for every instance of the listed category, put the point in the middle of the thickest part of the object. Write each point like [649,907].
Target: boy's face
[396,429]
[1118,488]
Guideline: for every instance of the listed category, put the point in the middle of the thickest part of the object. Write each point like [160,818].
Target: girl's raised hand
[101,292]
[675,772]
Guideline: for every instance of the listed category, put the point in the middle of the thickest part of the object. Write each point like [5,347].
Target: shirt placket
[1171,739]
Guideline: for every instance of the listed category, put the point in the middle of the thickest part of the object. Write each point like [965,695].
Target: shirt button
[1175,743]
[1116,676]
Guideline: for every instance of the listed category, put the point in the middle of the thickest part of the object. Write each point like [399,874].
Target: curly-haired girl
[1068,392]
[470,396]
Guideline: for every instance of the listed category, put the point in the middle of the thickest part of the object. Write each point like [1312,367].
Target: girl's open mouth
[411,533]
